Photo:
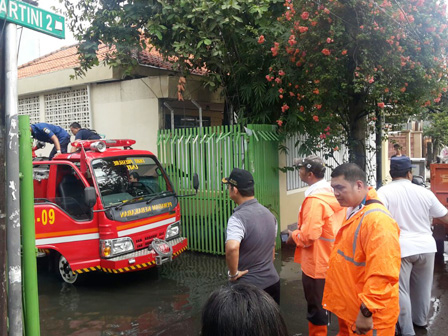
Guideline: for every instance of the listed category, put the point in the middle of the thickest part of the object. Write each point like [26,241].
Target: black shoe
[419,327]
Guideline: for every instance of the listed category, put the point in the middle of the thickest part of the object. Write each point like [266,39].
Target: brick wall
[401,139]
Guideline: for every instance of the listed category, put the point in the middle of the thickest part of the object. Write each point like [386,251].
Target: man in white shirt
[412,206]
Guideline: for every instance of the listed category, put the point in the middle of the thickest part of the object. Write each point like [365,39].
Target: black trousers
[314,291]
[274,291]
[64,144]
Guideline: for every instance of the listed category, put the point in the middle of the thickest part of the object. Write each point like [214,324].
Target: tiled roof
[67,58]
[64,58]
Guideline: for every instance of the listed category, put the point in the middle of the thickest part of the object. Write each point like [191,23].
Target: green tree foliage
[438,128]
[220,35]
[343,63]
[436,125]
[327,68]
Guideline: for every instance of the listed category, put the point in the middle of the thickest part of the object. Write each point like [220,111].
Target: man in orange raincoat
[320,217]
[362,278]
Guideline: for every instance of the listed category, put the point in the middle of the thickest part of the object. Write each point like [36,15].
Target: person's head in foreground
[242,310]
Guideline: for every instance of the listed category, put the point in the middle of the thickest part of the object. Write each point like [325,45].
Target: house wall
[410,141]
[290,200]
[128,109]
[61,80]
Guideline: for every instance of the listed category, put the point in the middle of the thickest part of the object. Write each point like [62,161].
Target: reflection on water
[167,301]
[164,301]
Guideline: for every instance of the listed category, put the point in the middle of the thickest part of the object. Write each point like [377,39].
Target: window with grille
[64,107]
[30,106]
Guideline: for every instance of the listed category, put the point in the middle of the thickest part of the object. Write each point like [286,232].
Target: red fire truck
[106,207]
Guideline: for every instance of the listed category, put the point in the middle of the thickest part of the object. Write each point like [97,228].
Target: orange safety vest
[365,266]
[320,218]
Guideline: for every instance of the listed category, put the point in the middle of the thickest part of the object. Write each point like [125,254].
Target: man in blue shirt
[51,134]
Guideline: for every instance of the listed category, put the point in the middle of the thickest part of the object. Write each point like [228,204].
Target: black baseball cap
[311,163]
[239,178]
[400,163]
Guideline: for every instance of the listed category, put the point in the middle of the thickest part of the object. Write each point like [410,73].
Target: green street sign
[33,17]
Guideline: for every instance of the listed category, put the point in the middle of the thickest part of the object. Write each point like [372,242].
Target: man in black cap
[320,217]
[251,233]
[412,206]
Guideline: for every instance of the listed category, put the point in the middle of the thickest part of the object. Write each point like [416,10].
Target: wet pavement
[168,300]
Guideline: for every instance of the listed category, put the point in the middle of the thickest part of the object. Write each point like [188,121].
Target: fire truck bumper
[143,259]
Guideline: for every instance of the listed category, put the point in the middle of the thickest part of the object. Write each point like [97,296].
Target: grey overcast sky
[33,44]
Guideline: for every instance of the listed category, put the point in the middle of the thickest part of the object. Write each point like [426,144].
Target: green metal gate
[213,152]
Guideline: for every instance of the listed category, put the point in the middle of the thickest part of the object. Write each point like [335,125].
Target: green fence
[213,152]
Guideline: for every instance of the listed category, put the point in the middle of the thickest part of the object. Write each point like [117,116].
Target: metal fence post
[31,298]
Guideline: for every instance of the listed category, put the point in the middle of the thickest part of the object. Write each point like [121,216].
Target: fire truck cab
[106,207]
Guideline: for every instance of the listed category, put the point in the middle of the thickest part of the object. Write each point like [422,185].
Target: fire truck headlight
[113,247]
[122,245]
[172,231]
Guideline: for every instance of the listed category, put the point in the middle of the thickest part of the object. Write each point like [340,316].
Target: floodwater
[167,300]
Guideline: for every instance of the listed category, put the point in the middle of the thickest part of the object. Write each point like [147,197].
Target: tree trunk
[228,112]
[357,136]
[379,148]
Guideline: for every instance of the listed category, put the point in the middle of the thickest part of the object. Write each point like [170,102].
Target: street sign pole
[12,185]
[3,272]
[14,12]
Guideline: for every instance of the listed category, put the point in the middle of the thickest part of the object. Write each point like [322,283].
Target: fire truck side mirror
[196,182]
[90,196]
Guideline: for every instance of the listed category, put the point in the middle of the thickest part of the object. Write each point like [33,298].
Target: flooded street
[168,300]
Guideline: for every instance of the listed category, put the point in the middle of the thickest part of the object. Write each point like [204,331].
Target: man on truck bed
[51,134]
[82,134]
[412,206]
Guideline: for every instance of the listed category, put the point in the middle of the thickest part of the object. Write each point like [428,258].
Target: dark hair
[317,173]
[135,175]
[248,192]
[75,125]
[242,310]
[399,173]
[351,172]
[397,145]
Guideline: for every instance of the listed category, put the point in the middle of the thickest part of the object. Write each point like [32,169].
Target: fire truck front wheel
[65,271]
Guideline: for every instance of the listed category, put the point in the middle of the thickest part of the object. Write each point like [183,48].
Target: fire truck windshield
[129,178]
